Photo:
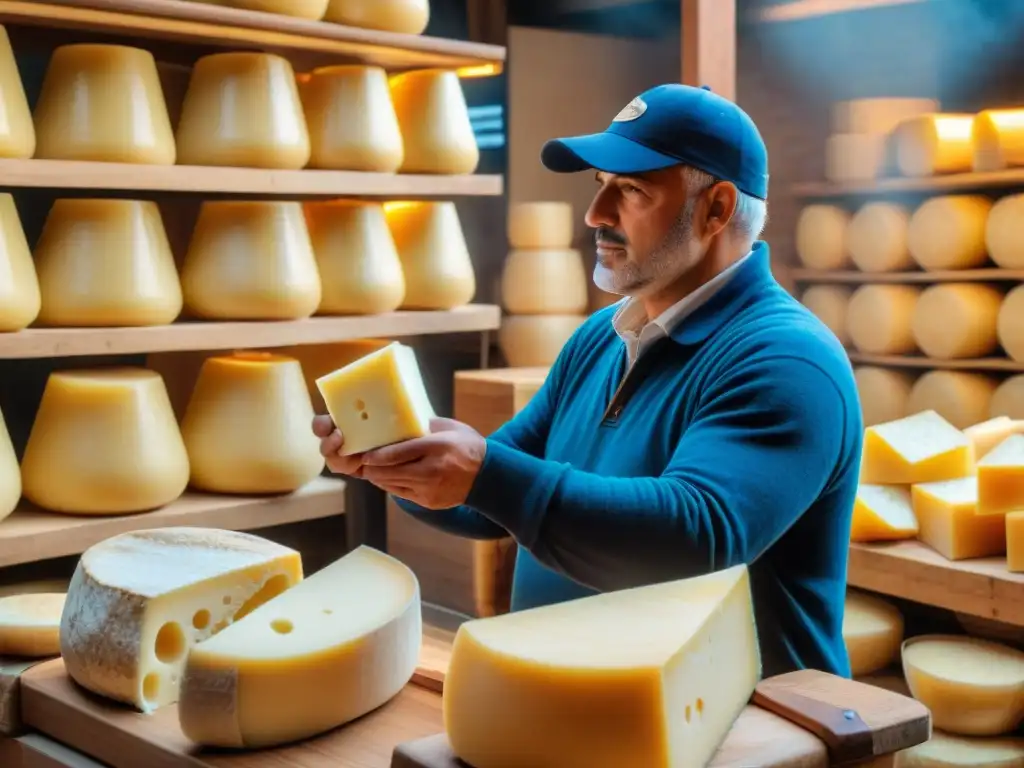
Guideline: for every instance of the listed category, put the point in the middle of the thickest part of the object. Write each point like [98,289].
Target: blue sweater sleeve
[763,445]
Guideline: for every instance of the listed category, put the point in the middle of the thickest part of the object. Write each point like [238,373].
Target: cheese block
[653,676]
[10,473]
[377,400]
[111,436]
[106,263]
[320,359]
[957,320]
[246,426]
[351,120]
[1008,399]
[883,393]
[879,319]
[882,513]
[876,238]
[933,144]
[334,647]
[533,341]
[543,225]
[878,115]
[409,17]
[434,119]
[1004,232]
[987,434]
[243,109]
[920,448]
[1015,541]
[1010,325]
[20,299]
[302,9]
[972,687]
[998,139]
[17,133]
[1001,478]
[944,750]
[948,232]
[356,257]
[948,522]
[872,632]
[829,303]
[544,282]
[30,624]
[140,600]
[962,398]
[250,260]
[855,157]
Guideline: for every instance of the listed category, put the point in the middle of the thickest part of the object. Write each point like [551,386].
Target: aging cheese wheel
[821,237]
[434,119]
[877,238]
[303,9]
[10,473]
[948,232]
[407,16]
[883,392]
[1011,324]
[957,320]
[529,341]
[944,750]
[998,136]
[103,103]
[963,398]
[879,319]
[1008,399]
[17,134]
[872,632]
[19,286]
[855,156]
[30,624]
[540,225]
[878,115]
[829,303]
[933,144]
[544,282]
[1004,232]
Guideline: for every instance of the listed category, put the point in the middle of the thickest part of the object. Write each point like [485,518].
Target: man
[706,420]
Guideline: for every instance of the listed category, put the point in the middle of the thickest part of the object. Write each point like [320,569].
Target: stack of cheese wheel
[409,17]
[857,148]
[19,285]
[543,284]
[10,473]
[17,132]
[437,135]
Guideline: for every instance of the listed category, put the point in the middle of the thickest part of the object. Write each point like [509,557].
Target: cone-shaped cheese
[917,449]
[882,513]
[10,473]
[879,319]
[243,109]
[30,624]
[540,225]
[544,282]
[948,520]
[957,320]
[998,139]
[948,232]
[933,144]
[1001,478]
[352,122]
[872,632]
[883,393]
[986,435]
[435,260]
[140,600]
[1010,324]
[944,750]
[250,261]
[434,119]
[1008,399]
[302,9]
[106,263]
[356,256]
[17,133]
[653,676]
[961,397]
[340,644]
[320,359]
[529,341]
[111,438]
[1004,232]
[829,303]
[247,426]
[19,285]
[877,238]
[407,16]
[105,103]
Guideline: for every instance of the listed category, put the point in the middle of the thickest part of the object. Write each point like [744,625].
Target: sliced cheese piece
[879,319]
[139,601]
[544,282]
[1015,541]
[894,683]
[883,393]
[30,624]
[948,522]
[961,397]
[378,399]
[932,144]
[882,513]
[944,750]
[1001,478]
[972,687]
[1004,232]
[998,138]
[878,114]
[409,17]
[533,341]
[1010,326]
[821,237]
[986,435]
[540,225]
[855,156]
[829,303]
[915,449]
[948,232]
[1008,400]
[957,320]
[877,238]
[652,676]
[436,131]
[872,632]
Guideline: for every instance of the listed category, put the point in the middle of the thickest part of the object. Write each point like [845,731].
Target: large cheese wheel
[1011,324]
[956,320]
[872,632]
[821,237]
[944,750]
[854,156]
[879,319]
[407,16]
[1008,399]
[1004,232]
[544,282]
[529,341]
[10,473]
[962,398]
[829,303]
[30,624]
[434,119]
[998,136]
[303,9]
[17,134]
[878,115]
[948,232]
[933,144]
[883,393]
[877,238]
[540,225]
[20,300]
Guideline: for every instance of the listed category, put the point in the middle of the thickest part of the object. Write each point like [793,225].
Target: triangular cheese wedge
[882,513]
[922,448]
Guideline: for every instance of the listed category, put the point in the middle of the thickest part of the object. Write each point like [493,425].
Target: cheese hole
[201,619]
[328,611]
[151,686]
[687,713]
[700,706]
[364,415]
[281,626]
[170,642]
[226,599]
[360,405]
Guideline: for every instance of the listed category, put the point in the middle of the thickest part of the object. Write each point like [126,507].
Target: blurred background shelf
[944,276]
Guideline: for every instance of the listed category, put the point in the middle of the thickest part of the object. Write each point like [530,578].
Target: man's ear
[721,205]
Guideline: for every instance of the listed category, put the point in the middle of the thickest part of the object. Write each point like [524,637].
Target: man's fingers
[345,465]
[323,426]
[398,453]
[401,474]
[331,443]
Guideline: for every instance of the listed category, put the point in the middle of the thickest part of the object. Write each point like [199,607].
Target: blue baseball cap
[671,125]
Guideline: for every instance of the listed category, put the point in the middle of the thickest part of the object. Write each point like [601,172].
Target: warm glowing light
[490,69]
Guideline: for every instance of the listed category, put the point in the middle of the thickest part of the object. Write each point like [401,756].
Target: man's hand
[331,441]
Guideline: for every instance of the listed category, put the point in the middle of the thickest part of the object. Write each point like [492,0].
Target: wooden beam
[709,45]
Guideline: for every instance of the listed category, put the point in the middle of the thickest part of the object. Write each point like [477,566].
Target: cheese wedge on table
[1001,478]
[872,631]
[1014,541]
[944,750]
[138,601]
[948,522]
[882,513]
[340,644]
[653,676]
[30,624]
[916,449]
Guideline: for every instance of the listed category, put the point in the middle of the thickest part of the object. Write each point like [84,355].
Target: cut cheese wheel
[20,299]
[990,629]
[872,631]
[540,225]
[1010,325]
[1004,232]
[409,17]
[879,319]
[378,399]
[1015,541]
[948,232]
[882,513]
[829,303]
[957,320]
[10,473]
[111,436]
[916,449]
[972,687]
[1001,478]
[934,144]
[948,522]
[987,434]
[652,676]
[302,9]
[998,138]
[531,341]
[877,115]
[140,600]
[877,238]
[17,134]
[944,750]
[960,397]
[334,647]
[894,683]
[1008,399]
[30,624]
[544,282]
[320,359]
[855,156]
[434,119]
[883,393]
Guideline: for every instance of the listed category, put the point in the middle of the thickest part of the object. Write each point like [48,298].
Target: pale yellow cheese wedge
[920,448]
[883,393]
[1001,478]
[872,632]
[972,687]
[30,624]
[653,676]
[1015,541]
[882,513]
[961,397]
[986,435]
[946,513]
[540,225]
[340,644]
[829,304]
[944,750]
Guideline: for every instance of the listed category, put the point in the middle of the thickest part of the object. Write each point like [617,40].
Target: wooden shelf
[30,535]
[954,182]
[242,182]
[185,336]
[993,275]
[913,571]
[797,10]
[198,23]
[912,361]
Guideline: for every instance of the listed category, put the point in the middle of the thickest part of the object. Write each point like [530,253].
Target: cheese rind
[948,232]
[948,521]
[935,143]
[956,320]
[821,237]
[540,225]
[944,750]
[872,632]
[1001,478]
[882,513]
[30,624]
[916,449]
[877,237]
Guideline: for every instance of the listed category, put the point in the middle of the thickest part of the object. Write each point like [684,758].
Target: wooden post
[709,45]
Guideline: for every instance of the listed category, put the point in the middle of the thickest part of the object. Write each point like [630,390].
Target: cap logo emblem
[631,111]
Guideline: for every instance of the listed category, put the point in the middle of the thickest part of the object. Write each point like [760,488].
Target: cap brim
[606,152]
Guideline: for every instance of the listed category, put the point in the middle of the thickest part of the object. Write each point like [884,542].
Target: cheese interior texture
[920,448]
[30,624]
[138,601]
[652,676]
[1001,478]
[948,522]
[882,513]
[872,632]
[340,644]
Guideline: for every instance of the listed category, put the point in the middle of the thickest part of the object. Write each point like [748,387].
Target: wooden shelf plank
[185,336]
[796,10]
[910,361]
[953,182]
[30,535]
[993,274]
[913,571]
[198,23]
[245,182]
